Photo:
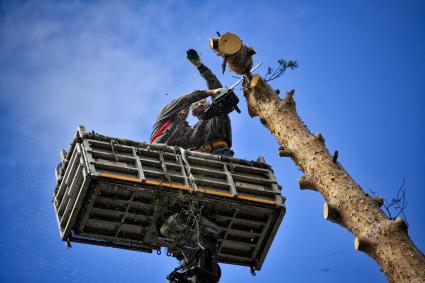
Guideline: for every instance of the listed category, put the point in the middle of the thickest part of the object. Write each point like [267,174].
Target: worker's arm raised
[205,72]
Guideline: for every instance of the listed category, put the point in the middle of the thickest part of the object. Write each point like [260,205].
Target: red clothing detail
[161,130]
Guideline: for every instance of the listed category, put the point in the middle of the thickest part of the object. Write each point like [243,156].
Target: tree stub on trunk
[331,213]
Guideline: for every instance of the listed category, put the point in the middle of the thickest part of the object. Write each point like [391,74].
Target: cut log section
[234,53]
[229,43]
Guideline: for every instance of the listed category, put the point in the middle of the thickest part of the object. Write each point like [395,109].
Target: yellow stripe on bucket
[180,187]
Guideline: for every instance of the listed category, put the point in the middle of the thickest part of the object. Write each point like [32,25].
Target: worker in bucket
[213,136]
[170,126]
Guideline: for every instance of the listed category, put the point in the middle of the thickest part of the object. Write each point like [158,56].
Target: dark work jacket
[217,128]
[169,128]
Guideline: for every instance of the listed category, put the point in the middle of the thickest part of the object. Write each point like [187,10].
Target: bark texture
[383,239]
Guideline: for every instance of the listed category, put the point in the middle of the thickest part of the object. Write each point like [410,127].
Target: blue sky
[108,65]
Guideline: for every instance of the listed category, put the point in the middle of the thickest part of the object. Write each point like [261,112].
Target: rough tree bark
[385,240]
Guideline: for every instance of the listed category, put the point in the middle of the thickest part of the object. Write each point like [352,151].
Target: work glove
[193,57]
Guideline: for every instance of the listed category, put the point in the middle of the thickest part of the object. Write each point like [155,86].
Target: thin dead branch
[273,74]
[398,205]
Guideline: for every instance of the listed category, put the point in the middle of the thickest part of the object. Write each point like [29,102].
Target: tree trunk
[383,239]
